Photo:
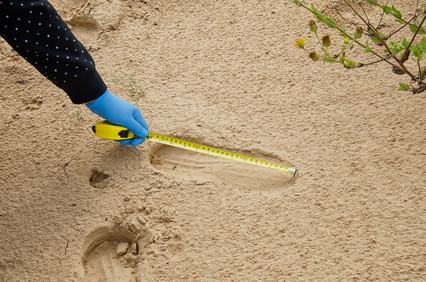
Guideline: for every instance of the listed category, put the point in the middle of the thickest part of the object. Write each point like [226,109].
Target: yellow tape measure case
[111,131]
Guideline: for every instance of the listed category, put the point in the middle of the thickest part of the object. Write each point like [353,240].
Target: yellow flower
[299,43]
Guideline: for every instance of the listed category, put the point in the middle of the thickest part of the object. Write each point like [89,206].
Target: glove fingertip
[137,141]
[145,133]
[141,132]
[125,142]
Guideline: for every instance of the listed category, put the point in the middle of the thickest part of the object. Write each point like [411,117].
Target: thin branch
[342,16]
[383,13]
[414,36]
[407,23]
[356,12]
[401,64]
[371,63]
[365,14]
[420,70]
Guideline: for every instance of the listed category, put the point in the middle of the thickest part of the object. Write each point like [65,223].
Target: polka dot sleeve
[35,30]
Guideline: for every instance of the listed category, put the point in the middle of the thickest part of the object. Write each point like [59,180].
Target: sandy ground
[74,207]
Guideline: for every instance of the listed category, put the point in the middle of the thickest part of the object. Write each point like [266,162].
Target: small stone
[122,248]
[166,218]
[133,248]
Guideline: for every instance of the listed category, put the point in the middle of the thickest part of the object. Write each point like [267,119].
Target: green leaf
[393,46]
[396,12]
[422,30]
[367,48]
[415,26]
[405,43]
[330,60]
[320,17]
[373,2]
[376,39]
[313,8]
[423,44]
[387,9]
[349,63]
[330,22]
[400,21]
[404,86]
[415,50]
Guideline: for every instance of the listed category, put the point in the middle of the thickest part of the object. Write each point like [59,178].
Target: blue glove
[121,112]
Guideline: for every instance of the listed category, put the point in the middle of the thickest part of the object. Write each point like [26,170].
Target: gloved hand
[121,112]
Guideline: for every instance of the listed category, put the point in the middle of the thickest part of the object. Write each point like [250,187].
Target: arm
[36,31]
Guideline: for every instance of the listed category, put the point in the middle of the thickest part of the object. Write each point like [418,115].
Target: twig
[414,36]
[407,23]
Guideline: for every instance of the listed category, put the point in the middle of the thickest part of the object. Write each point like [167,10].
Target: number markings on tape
[115,132]
[188,145]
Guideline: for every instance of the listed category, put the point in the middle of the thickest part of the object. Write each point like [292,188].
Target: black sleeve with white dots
[35,30]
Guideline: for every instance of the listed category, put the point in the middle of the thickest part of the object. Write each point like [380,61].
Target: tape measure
[111,131]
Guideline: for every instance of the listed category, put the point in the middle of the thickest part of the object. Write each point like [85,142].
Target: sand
[74,207]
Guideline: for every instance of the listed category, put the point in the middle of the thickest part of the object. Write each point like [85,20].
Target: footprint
[9,270]
[99,179]
[202,167]
[85,27]
[111,256]
[33,104]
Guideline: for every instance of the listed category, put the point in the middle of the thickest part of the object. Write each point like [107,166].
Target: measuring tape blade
[111,131]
